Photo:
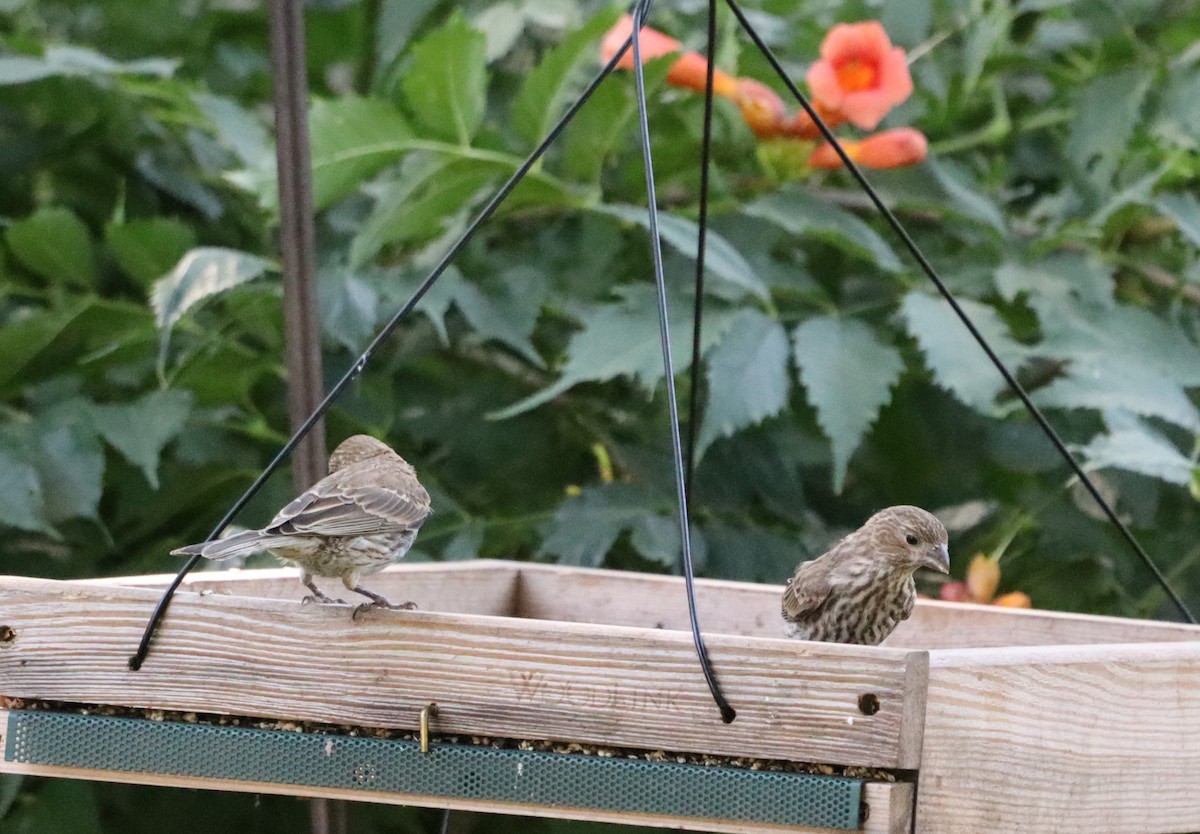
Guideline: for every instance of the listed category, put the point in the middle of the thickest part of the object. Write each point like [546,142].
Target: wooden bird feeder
[971,719]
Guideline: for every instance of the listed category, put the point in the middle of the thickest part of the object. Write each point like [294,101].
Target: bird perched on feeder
[863,586]
[360,518]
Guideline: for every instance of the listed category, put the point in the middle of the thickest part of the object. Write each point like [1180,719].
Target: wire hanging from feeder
[639,20]
[945,292]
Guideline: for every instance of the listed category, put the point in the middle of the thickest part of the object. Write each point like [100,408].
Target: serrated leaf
[747,377]
[681,234]
[656,537]
[1095,335]
[623,340]
[70,460]
[141,429]
[804,215]
[958,362]
[955,180]
[445,87]
[848,376]
[1184,209]
[55,244]
[148,249]
[21,499]
[237,129]
[1065,275]
[551,86]
[506,309]
[585,527]
[349,308]
[417,206]
[352,140]
[1108,109]
[1136,448]
[984,38]
[201,274]
[1116,383]
[597,129]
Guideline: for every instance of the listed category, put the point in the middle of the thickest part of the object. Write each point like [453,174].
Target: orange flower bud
[689,71]
[983,577]
[1014,599]
[761,107]
[887,149]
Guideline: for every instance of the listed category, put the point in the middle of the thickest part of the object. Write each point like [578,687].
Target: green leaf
[720,258]
[237,129]
[623,340]
[446,83]
[656,537]
[1117,383]
[148,249]
[1184,209]
[584,528]
[747,377]
[1097,335]
[51,342]
[551,86]
[848,376]
[506,309]
[958,362]
[140,430]
[352,140]
[78,61]
[201,273]
[986,36]
[55,244]
[597,129]
[70,462]
[1109,108]
[1134,447]
[804,215]
[21,498]
[418,205]
[1069,276]
[349,308]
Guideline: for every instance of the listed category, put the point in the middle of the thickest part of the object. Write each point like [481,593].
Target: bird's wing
[806,591]
[357,501]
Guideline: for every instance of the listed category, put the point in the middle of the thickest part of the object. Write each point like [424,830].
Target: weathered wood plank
[482,586]
[551,592]
[490,675]
[1093,739]
[624,598]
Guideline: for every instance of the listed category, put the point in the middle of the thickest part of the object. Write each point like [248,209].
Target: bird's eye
[911,539]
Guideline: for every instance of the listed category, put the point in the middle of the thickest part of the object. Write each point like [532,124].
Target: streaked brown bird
[360,518]
[863,586]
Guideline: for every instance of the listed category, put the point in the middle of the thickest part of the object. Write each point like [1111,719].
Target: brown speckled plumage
[354,522]
[863,586]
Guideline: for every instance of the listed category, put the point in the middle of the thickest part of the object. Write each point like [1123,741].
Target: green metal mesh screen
[689,791]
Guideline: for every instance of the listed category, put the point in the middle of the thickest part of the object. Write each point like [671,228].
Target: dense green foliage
[142,386]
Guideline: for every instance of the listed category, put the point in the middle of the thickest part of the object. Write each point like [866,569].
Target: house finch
[360,518]
[859,590]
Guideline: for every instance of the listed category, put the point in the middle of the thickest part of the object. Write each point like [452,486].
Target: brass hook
[426,712]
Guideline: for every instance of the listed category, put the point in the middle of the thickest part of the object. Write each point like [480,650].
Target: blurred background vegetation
[142,387]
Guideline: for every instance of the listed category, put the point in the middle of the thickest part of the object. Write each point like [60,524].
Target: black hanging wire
[929,271]
[139,657]
[694,410]
[639,20]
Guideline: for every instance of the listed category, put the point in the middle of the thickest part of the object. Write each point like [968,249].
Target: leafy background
[142,383]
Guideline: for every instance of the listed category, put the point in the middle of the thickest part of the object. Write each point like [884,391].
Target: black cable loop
[929,271]
[160,610]
[639,19]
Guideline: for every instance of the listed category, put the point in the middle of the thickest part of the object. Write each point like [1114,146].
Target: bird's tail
[239,544]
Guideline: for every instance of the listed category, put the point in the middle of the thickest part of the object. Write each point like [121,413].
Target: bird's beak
[938,559]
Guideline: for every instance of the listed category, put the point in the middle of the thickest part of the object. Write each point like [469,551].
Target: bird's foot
[384,605]
[322,600]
